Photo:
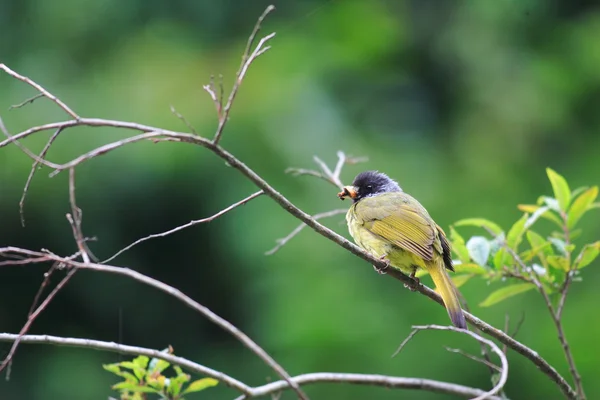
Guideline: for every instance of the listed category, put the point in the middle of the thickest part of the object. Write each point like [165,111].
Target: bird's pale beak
[349,191]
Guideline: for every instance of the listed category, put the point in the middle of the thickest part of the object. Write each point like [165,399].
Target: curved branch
[132,350]
[248,392]
[504,362]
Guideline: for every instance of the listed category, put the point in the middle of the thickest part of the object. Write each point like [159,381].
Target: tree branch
[259,391]
[504,362]
[175,293]
[189,224]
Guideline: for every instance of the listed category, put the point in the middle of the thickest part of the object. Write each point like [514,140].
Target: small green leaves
[562,193]
[479,249]
[480,223]
[581,205]
[200,384]
[513,239]
[587,255]
[506,292]
[147,378]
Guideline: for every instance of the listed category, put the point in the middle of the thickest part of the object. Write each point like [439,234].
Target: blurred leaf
[559,262]
[458,246]
[536,215]
[479,249]
[469,268]
[581,205]
[460,280]
[141,361]
[200,384]
[513,239]
[578,191]
[562,193]
[158,366]
[595,205]
[506,292]
[532,208]
[559,245]
[588,254]
[480,223]
[114,368]
[539,248]
[134,387]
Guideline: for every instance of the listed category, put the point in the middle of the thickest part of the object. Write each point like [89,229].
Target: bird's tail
[447,290]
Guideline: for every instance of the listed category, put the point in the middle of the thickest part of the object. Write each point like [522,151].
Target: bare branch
[326,174]
[32,172]
[175,293]
[40,89]
[259,391]
[132,350]
[504,367]
[75,219]
[283,241]
[189,224]
[372,380]
[247,60]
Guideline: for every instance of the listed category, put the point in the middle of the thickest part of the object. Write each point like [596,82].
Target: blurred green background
[463,102]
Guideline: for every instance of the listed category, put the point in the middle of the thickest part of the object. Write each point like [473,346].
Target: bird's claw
[381,270]
[413,287]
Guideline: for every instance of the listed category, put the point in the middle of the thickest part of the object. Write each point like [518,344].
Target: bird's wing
[402,221]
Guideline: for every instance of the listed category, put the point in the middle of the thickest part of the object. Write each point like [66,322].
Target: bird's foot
[381,270]
[417,282]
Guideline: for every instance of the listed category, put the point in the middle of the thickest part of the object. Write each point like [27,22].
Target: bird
[393,226]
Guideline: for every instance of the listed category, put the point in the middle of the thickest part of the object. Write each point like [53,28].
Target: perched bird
[395,227]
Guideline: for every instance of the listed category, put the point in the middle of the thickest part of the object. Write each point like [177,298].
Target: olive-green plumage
[391,224]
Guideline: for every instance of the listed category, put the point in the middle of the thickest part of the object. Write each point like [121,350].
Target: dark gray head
[369,183]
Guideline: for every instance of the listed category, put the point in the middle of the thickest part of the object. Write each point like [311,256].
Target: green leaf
[458,246]
[588,254]
[480,223]
[114,368]
[562,193]
[200,384]
[513,239]
[578,191]
[460,280]
[132,387]
[479,249]
[469,268]
[157,365]
[558,262]
[141,361]
[595,205]
[581,205]
[536,215]
[532,208]
[506,292]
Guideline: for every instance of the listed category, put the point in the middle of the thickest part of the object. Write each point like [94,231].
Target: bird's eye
[369,188]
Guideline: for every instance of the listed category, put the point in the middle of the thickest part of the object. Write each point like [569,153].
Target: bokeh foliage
[464,102]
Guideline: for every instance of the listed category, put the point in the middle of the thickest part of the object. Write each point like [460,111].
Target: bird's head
[367,184]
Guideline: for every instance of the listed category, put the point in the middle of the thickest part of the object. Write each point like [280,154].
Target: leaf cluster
[144,376]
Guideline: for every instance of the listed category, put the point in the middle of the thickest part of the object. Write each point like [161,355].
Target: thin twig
[504,362]
[75,219]
[474,358]
[326,173]
[40,89]
[283,241]
[33,316]
[26,101]
[34,167]
[247,60]
[184,120]
[189,224]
